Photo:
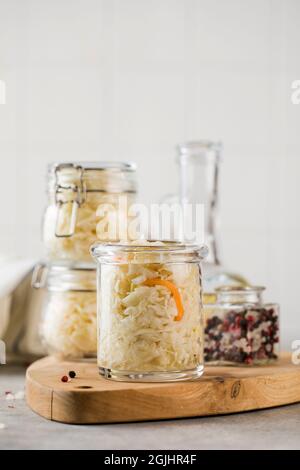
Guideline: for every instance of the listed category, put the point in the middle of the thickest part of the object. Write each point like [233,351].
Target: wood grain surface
[90,398]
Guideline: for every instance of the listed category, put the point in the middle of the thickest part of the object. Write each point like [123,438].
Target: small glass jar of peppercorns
[240,329]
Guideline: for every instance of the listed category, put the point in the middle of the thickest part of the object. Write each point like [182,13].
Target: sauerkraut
[89,227]
[69,327]
[72,221]
[141,329]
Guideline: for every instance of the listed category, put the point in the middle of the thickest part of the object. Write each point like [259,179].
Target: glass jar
[199,170]
[240,329]
[72,221]
[149,311]
[69,321]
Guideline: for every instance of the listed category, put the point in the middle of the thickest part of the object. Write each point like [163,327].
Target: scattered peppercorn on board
[89,398]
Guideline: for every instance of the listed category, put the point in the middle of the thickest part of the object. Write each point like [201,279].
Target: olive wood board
[90,398]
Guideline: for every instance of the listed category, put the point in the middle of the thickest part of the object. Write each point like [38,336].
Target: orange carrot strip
[175,292]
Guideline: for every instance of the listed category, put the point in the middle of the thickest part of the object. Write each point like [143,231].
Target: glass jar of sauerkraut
[81,198]
[150,311]
[69,321]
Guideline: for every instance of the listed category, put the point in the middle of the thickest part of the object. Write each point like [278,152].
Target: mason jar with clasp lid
[69,314]
[72,221]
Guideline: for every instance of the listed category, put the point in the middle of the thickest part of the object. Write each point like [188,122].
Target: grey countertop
[268,429]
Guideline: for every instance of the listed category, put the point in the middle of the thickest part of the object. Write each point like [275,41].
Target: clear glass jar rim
[95,166]
[62,269]
[240,289]
[169,246]
[58,277]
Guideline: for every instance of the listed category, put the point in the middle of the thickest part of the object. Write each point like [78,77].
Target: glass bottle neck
[199,175]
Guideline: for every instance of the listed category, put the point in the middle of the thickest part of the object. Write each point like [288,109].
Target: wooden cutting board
[91,399]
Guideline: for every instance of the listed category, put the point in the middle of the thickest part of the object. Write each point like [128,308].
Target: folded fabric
[12,272]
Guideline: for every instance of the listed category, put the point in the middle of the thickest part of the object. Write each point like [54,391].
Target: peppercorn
[72,374]
[64,378]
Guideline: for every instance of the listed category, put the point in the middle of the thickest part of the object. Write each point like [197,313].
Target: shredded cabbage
[87,230]
[137,327]
[69,327]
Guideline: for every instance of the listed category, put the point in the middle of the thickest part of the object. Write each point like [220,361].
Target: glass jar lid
[100,166]
[63,278]
[239,294]
[82,177]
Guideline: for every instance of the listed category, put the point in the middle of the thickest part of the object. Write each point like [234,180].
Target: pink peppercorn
[249,361]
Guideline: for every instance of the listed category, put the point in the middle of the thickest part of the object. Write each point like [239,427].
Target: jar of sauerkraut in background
[151,311]
[69,321]
[240,329]
[73,221]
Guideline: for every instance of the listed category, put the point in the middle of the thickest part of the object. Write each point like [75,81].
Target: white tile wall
[127,79]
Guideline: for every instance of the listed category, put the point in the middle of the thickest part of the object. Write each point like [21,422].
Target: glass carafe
[199,165]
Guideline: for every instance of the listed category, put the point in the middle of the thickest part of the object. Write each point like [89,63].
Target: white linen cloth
[12,271]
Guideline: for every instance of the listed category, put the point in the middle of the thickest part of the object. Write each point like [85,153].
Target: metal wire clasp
[39,276]
[73,194]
